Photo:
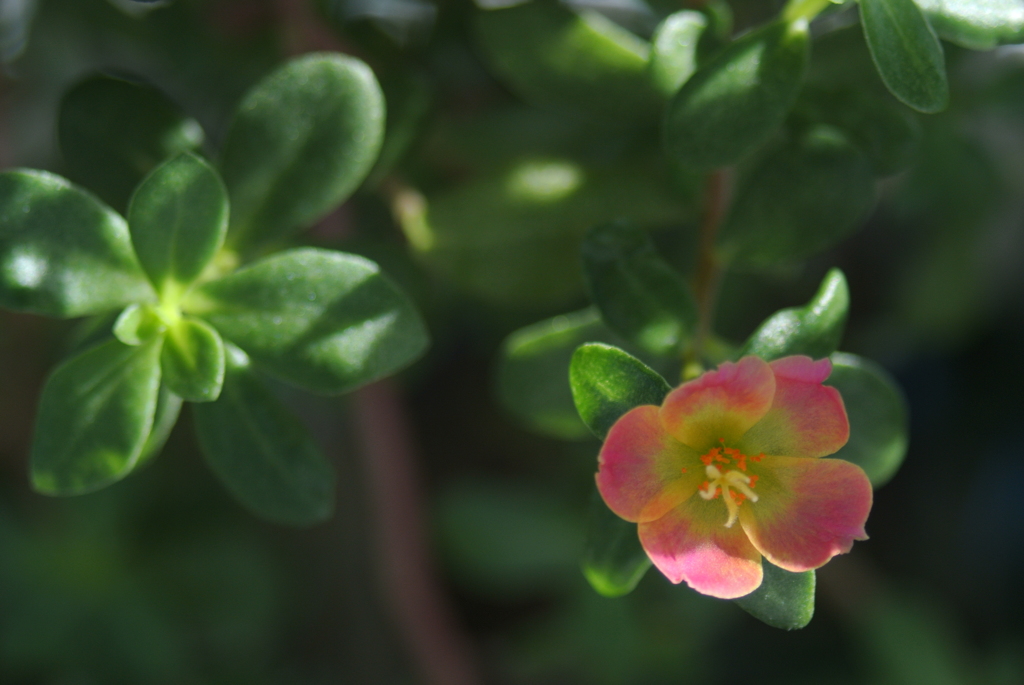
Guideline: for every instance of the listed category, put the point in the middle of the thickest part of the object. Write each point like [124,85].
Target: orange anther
[684,469]
[758,457]
[738,497]
[706,459]
[753,481]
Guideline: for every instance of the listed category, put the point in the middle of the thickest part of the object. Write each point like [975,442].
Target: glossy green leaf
[814,330]
[301,142]
[798,201]
[976,24]
[95,416]
[512,238]
[178,217]
[878,416]
[193,361]
[607,382]
[533,372]
[112,132]
[906,52]
[260,451]
[674,50]
[784,599]
[581,61]
[613,559]
[639,295]
[326,321]
[734,103]
[168,408]
[63,252]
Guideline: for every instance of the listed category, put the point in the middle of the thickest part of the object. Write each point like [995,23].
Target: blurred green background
[164,579]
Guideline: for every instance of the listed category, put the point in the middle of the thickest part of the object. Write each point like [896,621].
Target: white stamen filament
[730,479]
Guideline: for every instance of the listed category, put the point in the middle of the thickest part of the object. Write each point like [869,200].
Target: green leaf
[878,416]
[613,559]
[735,102]
[301,142]
[533,372]
[512,238]
[62,252]
[798,201]
[976,24]
[178,217]
[814,330]
[168,407]
[95,416]
[260,451]
[326,321]
[193,361]
[581,61]
[783,600]
[639,295]
[886,132]
[674,50]
[112,132]
[607,382]
[137,324]
[906,52]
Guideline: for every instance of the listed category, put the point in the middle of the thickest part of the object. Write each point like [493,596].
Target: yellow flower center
[732,484]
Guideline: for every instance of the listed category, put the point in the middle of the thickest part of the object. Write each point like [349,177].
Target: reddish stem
[709,271]
[417,600]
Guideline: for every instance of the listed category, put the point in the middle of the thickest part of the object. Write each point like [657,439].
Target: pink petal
[807,419]
[808,510]
[720,404]
[691,543]
[641,467]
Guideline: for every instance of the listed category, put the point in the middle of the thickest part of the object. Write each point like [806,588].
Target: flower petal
[807,419]
[641,467]
[724,403]
[691,543]
[808,511]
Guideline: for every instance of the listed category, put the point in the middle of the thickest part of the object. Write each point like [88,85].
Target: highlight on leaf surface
[63,253]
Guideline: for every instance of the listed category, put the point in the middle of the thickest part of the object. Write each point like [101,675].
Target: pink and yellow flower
[727,471]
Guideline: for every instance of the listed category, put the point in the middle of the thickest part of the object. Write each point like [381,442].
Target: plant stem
[418,603]
[709,269]
[804,9]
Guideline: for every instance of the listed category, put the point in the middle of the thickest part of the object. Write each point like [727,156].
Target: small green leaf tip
[814,330]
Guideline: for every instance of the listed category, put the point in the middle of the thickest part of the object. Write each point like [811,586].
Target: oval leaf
[607,382]
[193,361]
[674,50]
[177,218]
[63,252]
[733,104]
[301,142]
[554,56]
[613,560]
[532,376]
[783,600]
[639,295]
[878,416]
[112,132]
[814,330]
[906,52]
[799,201]
[260,451]
[95,416]
[326,321]
[976,24]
